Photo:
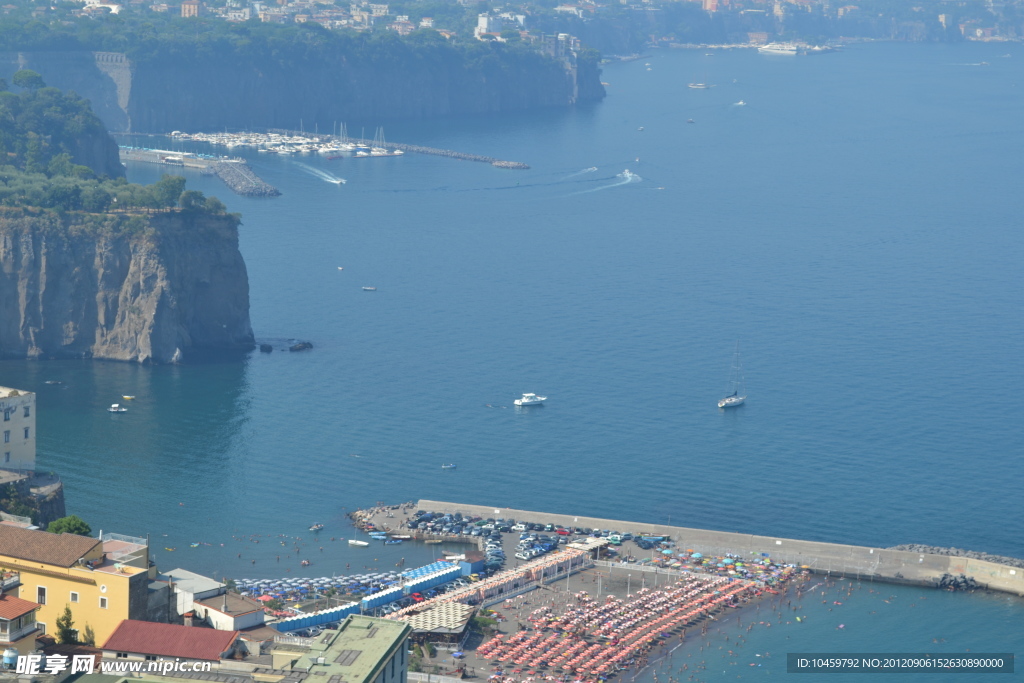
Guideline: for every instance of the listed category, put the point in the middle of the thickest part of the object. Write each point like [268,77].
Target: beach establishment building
[103,581]
[361,650]
[18,449]
[444,622]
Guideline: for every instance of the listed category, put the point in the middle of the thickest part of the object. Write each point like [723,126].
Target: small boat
[305,563]
[434,540]
[128,398]
[316,527]
[401,537]
[53,381]
[450,466]
[530,400]
[361,544]
[394,541]
[741,103]
[734,399]
[115,408]
[341,268]
[690,121]
[699,86]
[369,289]
[640,128]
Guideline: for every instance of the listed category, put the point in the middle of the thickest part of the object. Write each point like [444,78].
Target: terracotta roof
[12,607]
[61,550]
[170,640]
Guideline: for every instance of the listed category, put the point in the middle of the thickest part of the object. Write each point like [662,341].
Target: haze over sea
[856,225]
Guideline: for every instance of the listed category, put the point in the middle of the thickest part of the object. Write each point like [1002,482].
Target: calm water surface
[855,224]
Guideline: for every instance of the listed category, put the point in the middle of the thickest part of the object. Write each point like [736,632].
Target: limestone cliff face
[148,289]
[159,96]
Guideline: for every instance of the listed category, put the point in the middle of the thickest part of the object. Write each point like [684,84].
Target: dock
[235,172]
[887,565]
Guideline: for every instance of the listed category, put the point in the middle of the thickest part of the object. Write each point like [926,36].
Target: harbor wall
[878,564]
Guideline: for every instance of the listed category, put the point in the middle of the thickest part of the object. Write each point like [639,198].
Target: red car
[416,597]
[562,532]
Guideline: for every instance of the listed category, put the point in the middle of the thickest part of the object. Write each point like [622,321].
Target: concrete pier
[235,173]
[877,564]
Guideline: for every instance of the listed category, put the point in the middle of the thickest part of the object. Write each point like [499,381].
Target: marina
[334,147]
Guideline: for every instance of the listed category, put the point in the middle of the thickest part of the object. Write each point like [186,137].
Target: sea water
[855,225]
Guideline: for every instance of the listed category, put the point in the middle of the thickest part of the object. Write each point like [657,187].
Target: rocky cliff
[158,96]
[152,289]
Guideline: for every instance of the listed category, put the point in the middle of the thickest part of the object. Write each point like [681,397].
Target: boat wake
[578,173]
[322,175]
[624,178]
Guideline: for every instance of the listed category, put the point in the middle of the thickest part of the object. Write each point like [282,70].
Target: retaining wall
[879,564]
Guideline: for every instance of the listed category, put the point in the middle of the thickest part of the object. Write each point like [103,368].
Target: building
[146,641]
[18,627]
[489,24]
[19,427]
[190,8]
[103,581]
[710,5]
[361,650]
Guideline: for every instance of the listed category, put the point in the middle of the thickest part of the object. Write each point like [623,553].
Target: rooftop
[446,617]
[356,651]
[62,550]
[236,604]
[12,607]
[190,582]
[170,640]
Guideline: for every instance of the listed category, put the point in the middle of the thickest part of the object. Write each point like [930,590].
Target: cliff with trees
[93,266]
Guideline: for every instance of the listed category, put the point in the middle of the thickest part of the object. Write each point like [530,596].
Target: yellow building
[18,448]
[103,581]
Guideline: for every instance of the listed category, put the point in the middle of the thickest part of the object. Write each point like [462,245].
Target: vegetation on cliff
[42,133]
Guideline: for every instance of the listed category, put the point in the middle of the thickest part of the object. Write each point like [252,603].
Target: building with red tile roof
[138,639]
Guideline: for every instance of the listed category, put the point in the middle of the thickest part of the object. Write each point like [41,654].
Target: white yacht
[738,391]
[530,400]
[778,49]
[361,544]
[115,408]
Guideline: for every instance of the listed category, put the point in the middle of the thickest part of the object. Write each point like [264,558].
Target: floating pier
[235,173]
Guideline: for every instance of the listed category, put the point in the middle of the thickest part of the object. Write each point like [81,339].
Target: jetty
[235,172]
[923,566]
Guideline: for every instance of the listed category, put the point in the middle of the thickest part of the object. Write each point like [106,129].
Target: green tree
[190,200]
[214,205]
[72,524]
[66,634]
[89,636]
[274,604]
[28,79]
[169,189]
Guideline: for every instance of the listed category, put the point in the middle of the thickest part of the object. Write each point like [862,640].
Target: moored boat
[738,394]
[359,543]
[316,527]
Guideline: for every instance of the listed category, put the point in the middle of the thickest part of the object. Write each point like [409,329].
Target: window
[41,595]
[7,415]
[26,432]
[150,658]
[7,456]
[27,411]
[74,596]
[7,436]
[103,605]
[122,655]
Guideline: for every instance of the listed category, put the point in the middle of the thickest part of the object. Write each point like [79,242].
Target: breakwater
[877,564]
[235,173]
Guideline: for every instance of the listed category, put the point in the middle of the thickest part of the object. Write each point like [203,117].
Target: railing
[295,640]
[9,580]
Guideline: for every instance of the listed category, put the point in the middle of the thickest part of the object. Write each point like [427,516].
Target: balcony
[9,580]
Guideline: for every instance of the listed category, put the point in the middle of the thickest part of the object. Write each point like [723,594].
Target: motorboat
[530,400]
[316,527]
[116,408]
[699,86]
[369,289]
[401,537]
[361,544]
[450,466]
[128,398]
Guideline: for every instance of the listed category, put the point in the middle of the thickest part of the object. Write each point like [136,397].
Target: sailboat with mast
[737,388]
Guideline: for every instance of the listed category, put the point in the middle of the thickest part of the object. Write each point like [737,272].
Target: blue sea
[855,224]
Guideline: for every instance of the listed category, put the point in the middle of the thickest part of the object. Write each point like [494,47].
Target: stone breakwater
[241,180]
[957,552]
[452,154]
